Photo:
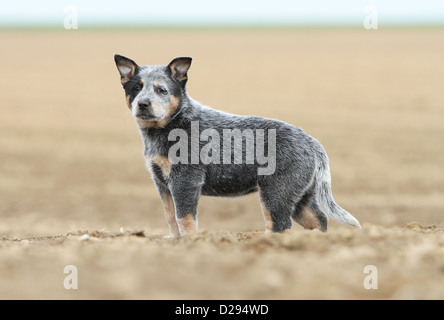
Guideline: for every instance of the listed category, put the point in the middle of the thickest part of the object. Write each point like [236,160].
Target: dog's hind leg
[311,217]
[276,209]
[308,213]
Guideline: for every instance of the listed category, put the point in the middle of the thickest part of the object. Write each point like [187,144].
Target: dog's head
[153,93]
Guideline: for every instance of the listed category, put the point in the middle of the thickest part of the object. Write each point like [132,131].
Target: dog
[293,179]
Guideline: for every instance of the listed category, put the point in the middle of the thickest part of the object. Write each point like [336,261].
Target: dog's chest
[159,167]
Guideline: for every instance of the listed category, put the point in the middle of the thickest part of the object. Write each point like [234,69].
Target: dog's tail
[324,196]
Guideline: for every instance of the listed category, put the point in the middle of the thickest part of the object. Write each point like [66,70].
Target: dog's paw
[171,236]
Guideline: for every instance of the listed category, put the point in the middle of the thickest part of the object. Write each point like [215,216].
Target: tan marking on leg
[267,215]
[308,219]
[163,163]
[170,214]
[187,224]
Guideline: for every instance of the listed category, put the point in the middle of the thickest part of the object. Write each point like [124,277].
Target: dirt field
[74,189]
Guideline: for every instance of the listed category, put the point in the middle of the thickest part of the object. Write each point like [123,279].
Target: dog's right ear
[126,66]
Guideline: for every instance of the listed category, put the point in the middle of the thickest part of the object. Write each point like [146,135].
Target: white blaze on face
[159,111]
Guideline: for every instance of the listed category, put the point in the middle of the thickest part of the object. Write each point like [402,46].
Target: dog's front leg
[170,214]
[186,196]
[169,209]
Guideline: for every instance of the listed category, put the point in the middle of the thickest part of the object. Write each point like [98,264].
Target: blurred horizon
[199,13]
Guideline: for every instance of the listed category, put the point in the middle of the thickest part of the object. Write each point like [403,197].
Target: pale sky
[226,12]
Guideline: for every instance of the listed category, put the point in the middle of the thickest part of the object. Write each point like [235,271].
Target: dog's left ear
[126,66]
[178,68]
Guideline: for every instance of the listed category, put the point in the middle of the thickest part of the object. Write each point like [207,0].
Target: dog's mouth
[147,118]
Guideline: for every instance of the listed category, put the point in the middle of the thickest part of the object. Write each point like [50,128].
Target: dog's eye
[161,90]
[137,88]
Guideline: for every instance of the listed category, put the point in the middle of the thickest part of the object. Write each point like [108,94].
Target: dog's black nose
[144,104]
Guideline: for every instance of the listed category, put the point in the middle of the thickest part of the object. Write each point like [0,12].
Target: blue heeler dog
[293,179]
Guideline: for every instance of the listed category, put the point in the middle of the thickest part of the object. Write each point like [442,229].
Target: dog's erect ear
[178,68]
[126,66]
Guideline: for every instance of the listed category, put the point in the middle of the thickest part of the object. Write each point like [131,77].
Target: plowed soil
[74,189]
